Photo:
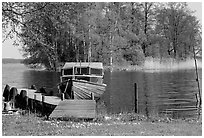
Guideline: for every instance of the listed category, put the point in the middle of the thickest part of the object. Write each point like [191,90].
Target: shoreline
[149,65]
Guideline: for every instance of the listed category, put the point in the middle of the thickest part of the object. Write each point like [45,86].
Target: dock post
[31,104]
[136,98]
[92,96]
[34,103]
[27,104]
[62,96]
[23,99]
[26,101]
[43,99]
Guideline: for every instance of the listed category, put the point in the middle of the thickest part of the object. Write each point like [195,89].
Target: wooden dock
[58,107]
[31,94]
[75,109]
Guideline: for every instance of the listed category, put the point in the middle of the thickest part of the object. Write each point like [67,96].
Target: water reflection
[46,79]
[161,92]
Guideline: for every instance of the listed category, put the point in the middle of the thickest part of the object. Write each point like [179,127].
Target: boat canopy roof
[96,65]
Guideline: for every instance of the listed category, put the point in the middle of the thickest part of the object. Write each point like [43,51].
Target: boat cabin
[88,71]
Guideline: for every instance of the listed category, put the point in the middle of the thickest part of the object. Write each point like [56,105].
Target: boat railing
[82,75]
[84,81]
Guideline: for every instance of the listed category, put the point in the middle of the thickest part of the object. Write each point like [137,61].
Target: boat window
[82,70]
[96,71]
[96,80]
[68,71]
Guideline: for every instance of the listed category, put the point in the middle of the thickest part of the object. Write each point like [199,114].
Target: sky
[10,51]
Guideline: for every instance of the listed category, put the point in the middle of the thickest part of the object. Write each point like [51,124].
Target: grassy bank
[112,125]
[155,64]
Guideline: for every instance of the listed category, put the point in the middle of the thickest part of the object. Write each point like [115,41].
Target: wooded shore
[108,32]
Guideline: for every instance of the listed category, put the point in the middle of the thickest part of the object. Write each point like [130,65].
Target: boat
[82,80]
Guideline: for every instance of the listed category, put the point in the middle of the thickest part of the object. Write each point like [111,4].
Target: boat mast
[73,72]
[80,67]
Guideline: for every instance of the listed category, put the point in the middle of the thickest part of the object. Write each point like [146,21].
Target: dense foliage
[122,32]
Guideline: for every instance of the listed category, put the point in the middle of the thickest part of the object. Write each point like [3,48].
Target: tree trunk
[89,46]
[84,50]
[174,47]
[146,8]
[77,52]
[146,17]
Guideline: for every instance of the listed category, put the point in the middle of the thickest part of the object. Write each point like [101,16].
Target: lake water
[158,92]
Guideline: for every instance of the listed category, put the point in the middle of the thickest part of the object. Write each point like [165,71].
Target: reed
[157,64]
[169,64]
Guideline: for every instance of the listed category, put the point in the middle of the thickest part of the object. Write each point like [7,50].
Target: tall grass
[156,64]
[170,64]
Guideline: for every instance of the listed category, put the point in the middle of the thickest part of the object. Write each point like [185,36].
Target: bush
[134,56]
[138,59]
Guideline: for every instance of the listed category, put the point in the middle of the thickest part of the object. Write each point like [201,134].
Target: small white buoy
[7,106]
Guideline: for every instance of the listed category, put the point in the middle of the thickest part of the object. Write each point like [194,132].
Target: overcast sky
[10,51]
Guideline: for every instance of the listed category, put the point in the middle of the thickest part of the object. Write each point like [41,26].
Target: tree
[120,32]
[146,16]
[12,17]
[174,21]
[53,29]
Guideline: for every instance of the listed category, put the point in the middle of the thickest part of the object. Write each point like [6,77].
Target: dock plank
[75,108]
[53,100]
